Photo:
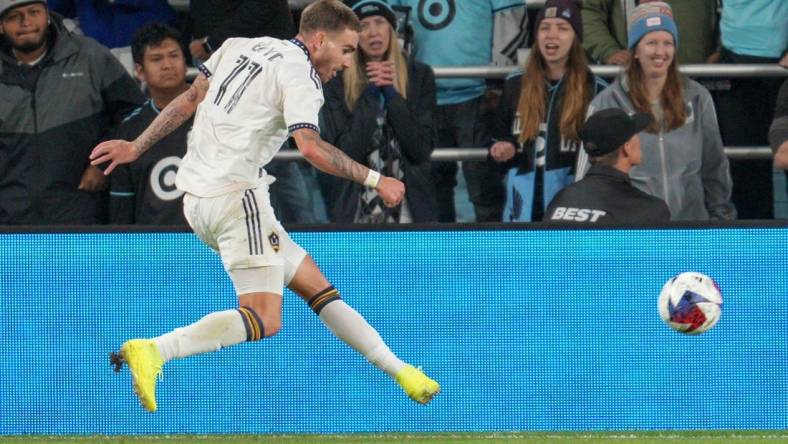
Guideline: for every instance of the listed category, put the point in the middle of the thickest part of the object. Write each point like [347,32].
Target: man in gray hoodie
[59,95]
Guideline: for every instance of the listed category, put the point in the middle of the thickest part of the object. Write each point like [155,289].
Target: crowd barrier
[498,72]
[609,71]
[526,328]
[476,154]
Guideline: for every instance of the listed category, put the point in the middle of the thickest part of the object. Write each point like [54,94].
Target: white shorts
[242,227]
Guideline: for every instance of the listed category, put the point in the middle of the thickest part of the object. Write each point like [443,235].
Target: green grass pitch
[697,437]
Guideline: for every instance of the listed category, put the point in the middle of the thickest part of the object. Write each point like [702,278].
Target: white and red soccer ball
[690,303]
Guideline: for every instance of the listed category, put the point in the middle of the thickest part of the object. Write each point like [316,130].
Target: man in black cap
[605,194]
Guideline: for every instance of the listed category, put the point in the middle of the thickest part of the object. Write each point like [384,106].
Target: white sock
[349,326]
[212,332]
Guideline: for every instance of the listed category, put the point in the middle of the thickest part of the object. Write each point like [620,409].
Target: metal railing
[716,70]
[707,71]
[500,72]
[476,154]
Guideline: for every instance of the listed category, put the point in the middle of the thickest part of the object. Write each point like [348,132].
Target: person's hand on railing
[502,151]
[619,58]
[781,157]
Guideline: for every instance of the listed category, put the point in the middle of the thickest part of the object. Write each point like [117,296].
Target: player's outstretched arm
[118,152]
[332,160]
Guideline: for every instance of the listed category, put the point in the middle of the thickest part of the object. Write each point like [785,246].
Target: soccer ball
[690,303]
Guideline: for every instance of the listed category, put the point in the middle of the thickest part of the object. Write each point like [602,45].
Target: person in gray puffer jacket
[59,94]
[684,161]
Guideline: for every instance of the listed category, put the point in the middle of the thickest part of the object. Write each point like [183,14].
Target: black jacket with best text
[606,195]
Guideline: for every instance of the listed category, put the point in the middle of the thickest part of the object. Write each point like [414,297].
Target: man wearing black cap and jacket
[605,194]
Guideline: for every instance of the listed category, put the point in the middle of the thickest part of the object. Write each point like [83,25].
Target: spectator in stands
[59,94]
[684,162]
[606,194]
[752,32]
[211,22]
[380,113]
[778,133]
[466,33]
[540,114]
[605,24]
[144,192]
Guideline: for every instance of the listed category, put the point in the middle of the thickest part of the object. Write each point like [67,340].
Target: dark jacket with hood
[410,121]
[52,114]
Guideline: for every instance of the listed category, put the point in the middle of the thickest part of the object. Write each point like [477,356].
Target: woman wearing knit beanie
[540,114]
[380,112]
[683,162]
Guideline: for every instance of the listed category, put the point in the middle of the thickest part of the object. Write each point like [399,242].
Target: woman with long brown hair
[684,161]
[379,112]
[541,112]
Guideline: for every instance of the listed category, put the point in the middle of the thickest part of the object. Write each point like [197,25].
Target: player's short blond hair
[328,16]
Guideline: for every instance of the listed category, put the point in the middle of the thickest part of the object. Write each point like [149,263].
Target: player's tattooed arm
[111,153]
[173,115]
[327,157]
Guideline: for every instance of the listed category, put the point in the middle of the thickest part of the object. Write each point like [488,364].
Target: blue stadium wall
[524,329]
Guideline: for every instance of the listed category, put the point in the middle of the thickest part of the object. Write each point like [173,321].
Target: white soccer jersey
[260,90]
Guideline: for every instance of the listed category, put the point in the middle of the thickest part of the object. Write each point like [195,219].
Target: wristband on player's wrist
[373,177]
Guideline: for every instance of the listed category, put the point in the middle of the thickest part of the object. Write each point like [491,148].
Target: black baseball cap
[606,130]
[6,5]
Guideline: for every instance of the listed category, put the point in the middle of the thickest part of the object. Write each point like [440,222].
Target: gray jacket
[685,167]
[51,117]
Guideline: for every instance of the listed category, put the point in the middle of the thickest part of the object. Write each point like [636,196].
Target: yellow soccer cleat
[144,361]
[418,386]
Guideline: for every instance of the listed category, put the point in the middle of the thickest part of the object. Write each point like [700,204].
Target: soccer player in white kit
[249,97]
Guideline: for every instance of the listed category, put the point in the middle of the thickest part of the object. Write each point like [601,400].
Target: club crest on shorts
[273,239]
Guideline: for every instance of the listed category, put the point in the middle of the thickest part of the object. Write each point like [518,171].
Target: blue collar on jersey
[153,106]
[301,45]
